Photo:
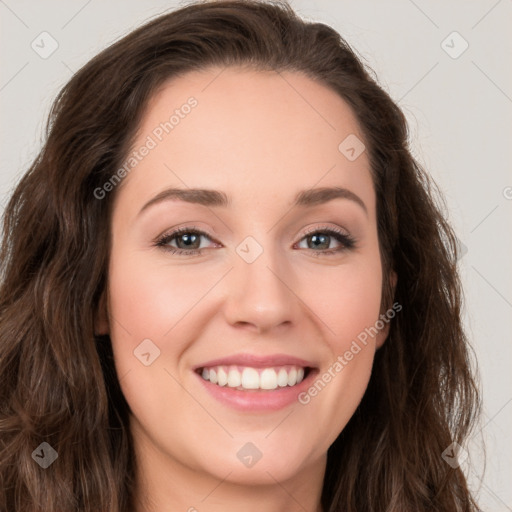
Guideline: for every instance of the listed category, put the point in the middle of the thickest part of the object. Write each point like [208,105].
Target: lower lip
[257,400]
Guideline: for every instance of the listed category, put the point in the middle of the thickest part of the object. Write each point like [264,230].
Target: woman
[227,284]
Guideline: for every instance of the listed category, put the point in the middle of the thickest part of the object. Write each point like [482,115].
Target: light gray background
[459,110]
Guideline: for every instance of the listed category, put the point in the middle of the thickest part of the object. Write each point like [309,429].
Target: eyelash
[347,241]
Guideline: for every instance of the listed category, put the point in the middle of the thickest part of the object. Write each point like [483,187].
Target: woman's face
[287,279]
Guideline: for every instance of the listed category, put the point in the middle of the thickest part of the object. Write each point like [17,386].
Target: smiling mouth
[246,378]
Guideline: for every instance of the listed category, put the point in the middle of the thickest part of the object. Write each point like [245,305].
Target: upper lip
[257,361]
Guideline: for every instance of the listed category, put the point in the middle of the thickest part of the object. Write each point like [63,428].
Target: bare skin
[255,138]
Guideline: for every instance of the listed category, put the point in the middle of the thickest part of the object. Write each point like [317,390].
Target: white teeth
[292,377]
[254,378]
[250,379]
[282,378]
[234,378]
[222,377]
[268,379]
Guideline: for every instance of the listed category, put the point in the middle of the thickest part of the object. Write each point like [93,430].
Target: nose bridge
[259,289]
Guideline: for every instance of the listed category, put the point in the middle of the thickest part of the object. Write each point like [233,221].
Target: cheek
[346,298]
[348,303]
[150,308]
[338,388]
[149,300]
[336,392]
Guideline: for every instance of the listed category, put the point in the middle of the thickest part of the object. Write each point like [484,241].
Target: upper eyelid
[326,228]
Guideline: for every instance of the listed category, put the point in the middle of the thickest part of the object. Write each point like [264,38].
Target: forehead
[252,133]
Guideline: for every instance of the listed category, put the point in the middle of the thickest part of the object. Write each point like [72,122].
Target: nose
[261,295]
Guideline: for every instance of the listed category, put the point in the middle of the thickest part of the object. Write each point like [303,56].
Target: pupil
[316,237]
[188,239]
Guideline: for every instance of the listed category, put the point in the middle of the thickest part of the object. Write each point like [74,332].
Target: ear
[101,323]
[386,316]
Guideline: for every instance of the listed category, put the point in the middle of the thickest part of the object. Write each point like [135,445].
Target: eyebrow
[216,198]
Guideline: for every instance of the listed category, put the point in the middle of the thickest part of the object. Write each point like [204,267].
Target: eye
[321,238]
[188,241]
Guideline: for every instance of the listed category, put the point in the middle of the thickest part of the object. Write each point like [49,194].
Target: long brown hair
[57,379]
